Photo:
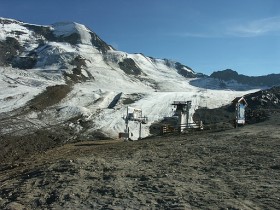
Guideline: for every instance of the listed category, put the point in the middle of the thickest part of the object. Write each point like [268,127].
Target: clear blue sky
[207,35]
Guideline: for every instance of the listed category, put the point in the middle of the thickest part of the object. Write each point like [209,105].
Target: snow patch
[74,111]
[15,30]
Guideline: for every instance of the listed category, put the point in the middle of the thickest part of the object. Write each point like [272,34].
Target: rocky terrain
[229,169]
[258,105]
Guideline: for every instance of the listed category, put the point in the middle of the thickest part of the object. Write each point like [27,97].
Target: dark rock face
[26,62]
[43,31]
[228,74]
[99,44]
[72,39]
[181,69]
[9,49]
[129,67]
[77,75]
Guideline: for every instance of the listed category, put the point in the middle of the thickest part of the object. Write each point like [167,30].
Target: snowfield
[101,101]
[92,99]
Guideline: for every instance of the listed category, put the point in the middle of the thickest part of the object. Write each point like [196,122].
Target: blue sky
[206,35]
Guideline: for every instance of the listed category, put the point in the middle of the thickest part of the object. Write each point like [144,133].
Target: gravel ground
[231,169]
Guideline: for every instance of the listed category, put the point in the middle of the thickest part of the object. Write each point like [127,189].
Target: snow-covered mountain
[64,75]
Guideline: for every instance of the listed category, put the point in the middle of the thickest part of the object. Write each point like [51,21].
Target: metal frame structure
[136,115]
[182,110]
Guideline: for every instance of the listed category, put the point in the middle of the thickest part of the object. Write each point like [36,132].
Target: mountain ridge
[61,32]
[264,80]
[74,81]
[72,32]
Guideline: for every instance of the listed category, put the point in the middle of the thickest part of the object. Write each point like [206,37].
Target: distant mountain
[261,81]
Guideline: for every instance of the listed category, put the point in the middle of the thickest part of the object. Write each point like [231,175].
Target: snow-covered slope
[103,81]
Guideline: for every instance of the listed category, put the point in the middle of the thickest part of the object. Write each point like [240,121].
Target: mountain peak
[8,21]
[68,28]
[227,74]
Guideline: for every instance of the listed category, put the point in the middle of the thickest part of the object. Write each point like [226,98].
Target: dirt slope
[232,169]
